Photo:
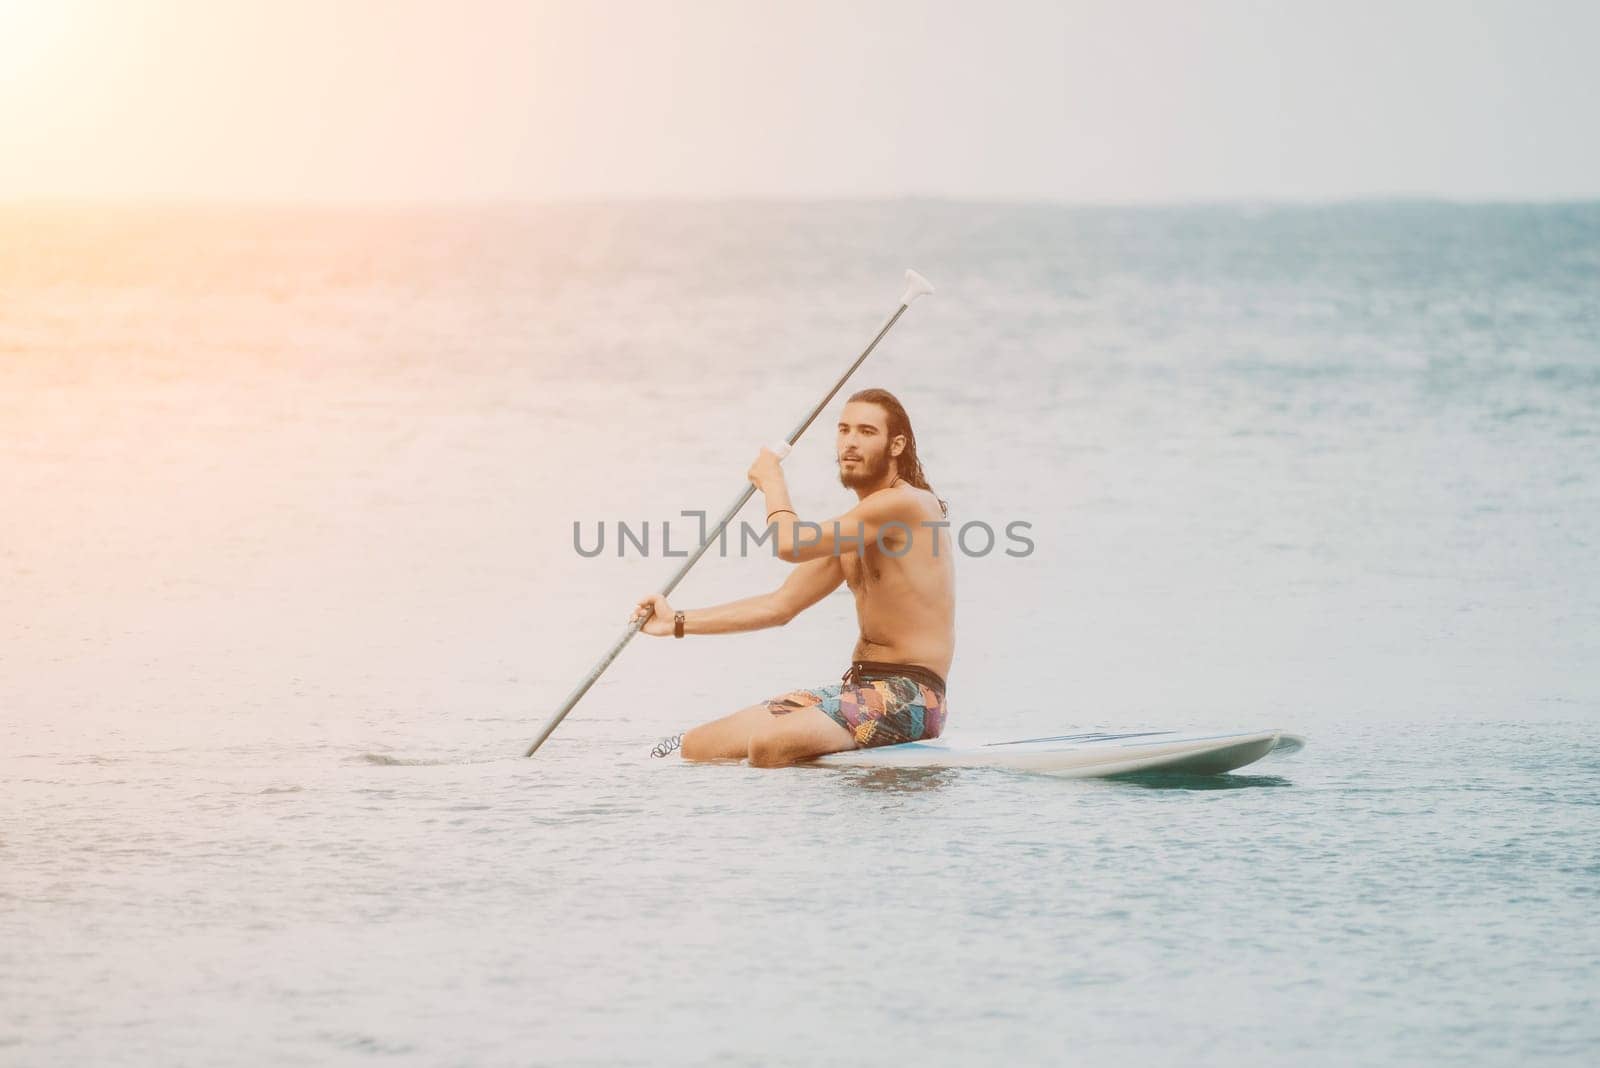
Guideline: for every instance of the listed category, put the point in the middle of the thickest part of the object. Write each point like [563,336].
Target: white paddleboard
[1092,754]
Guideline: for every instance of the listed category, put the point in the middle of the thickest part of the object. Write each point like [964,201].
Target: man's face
[863,446]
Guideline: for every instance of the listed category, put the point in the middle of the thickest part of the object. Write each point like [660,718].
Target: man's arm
[805,586]
[799,541]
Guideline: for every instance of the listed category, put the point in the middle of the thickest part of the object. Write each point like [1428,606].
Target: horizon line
[774,200]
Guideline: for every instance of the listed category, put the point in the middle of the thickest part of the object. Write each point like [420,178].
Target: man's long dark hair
[908,464]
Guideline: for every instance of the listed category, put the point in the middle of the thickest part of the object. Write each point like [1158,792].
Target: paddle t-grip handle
[916,286]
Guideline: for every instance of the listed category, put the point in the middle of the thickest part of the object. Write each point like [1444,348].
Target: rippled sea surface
[287,583]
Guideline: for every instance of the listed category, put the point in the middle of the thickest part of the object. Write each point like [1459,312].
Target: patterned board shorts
[879,704]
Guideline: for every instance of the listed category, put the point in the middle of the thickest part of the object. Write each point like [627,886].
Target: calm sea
[287,582]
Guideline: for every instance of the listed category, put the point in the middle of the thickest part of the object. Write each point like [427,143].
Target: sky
[1071,100]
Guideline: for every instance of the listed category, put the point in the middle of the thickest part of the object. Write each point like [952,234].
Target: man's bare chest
[862,570]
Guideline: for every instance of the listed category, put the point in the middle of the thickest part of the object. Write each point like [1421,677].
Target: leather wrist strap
[677,624]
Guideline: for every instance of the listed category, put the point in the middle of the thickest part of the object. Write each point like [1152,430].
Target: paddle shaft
[727,517]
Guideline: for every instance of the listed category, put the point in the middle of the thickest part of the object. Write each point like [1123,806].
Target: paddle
[916,286]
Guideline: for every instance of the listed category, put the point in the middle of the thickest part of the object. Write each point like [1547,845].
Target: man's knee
[696,747]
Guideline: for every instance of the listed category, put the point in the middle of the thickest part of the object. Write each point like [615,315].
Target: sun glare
[31,32]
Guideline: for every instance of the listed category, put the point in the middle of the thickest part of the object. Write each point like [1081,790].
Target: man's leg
[796,736]
[727,738]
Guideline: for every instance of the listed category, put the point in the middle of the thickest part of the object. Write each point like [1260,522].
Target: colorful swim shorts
[880,704]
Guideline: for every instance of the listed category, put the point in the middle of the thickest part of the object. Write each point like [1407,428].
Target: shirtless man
[893,548]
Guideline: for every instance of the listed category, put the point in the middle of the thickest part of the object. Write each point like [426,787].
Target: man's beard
[866,473]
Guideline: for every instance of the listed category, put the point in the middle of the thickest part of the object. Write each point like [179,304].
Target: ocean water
[288,582]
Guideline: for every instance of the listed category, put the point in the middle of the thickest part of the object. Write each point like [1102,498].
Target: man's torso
[905,592]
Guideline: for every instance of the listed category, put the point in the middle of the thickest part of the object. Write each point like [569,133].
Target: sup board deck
[1093,754]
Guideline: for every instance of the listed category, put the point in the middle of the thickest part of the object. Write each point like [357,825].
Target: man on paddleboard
[893,549]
